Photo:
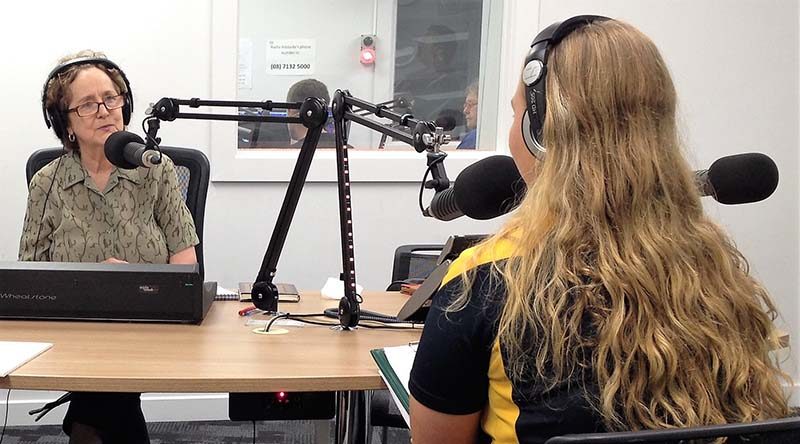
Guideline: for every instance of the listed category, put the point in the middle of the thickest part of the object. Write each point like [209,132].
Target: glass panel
[416,56]
[437,59]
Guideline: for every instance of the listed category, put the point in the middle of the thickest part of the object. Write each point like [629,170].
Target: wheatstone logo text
[28,297]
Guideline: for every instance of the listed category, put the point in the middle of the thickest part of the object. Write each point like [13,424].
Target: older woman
[81,208]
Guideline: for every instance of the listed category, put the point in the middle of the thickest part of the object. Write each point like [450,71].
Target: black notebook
[286,292]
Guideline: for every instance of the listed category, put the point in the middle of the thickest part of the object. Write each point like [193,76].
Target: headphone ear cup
[126,110]
[530,141]
[57,122]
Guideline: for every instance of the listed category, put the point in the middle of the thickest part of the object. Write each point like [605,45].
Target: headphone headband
[55,118]
[534,75]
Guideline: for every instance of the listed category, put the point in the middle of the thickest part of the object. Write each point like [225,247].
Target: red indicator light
[367,56]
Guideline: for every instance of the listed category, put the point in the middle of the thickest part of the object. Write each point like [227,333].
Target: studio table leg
[351,417]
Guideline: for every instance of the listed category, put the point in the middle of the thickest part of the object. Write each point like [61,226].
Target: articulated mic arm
[423,136]
[313,114]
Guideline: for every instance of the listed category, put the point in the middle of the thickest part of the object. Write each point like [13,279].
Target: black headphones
[56,118]
[534,76]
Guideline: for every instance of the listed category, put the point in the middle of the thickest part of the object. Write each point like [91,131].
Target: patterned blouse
[141,216]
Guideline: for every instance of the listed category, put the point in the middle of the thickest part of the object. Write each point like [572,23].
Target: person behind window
[471,118]
[81,208]
[298,92]
[437,85]
[609,300]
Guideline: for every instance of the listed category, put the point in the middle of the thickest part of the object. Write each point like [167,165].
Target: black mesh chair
[412,263]
[777,431]
[193,172]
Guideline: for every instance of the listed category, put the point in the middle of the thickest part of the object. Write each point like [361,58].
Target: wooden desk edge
[231,385]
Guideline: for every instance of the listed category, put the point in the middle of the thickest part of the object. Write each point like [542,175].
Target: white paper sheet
[14,354]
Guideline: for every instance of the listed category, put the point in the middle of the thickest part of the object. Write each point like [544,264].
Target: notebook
[286,292]
[14,354]
[394,366]
[224,294]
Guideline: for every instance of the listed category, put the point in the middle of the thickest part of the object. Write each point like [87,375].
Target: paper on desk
[334,289]
[14,354]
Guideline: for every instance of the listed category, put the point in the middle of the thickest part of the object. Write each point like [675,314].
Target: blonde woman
[608,301]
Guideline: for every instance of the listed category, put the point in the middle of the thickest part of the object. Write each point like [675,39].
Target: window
[437,59]
[427,55]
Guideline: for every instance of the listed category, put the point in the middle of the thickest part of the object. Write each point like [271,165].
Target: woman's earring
[71,137]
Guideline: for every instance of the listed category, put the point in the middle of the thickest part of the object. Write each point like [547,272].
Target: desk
[220,355]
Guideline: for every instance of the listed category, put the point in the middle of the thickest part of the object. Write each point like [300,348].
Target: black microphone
[484,190]
[738,179]
[128,151]
[493,186]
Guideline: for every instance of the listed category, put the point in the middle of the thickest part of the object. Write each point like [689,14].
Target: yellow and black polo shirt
[459,367]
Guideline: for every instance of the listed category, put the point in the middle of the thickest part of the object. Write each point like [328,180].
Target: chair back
[191,167]
[776,431]
[413,262]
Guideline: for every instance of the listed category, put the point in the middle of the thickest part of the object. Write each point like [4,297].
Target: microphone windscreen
[743,178]
[114,148]
[489,188]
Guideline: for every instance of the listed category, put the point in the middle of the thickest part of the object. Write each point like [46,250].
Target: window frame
[504,47]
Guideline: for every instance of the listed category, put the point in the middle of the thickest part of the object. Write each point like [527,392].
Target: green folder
[395,369]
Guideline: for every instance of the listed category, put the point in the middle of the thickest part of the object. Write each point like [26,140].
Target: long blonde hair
[617,270]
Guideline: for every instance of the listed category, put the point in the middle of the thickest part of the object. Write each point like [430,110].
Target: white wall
[735,64]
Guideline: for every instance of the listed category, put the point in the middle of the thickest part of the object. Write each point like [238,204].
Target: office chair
[411,262]
[193,172]
[776,431]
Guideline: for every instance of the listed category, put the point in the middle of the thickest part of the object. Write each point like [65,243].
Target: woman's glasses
[91,108]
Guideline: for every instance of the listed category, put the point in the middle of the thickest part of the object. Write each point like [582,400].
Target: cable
[44,206]
[424,178]
[150,139]
[254,432]
[332,324]
[367,316]
[5,421]
[296,317]
[413,326]
[271,321]
[327,324]
[386,321]
[147,136]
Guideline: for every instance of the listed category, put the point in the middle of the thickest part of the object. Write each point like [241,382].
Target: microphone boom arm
[425,136]
[313,114]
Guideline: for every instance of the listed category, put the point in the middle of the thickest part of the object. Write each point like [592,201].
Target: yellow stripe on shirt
[473,257]
[500,415]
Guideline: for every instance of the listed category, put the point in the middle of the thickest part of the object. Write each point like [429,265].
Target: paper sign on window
[291,57]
